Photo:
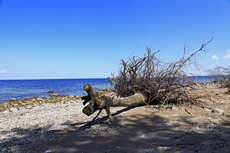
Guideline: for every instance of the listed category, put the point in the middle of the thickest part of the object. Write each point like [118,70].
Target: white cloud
[229,50]
[227,56]
[214,57]
[2,71]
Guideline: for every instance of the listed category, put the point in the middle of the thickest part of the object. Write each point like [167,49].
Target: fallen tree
[147,81]
[105,102]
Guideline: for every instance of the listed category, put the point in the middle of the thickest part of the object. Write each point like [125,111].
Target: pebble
[13,110]
[174,108]
[54,94]
[13,99]
[71,96]
[39,99]
[218,111]
[20,108]
[164,148]
[2,108]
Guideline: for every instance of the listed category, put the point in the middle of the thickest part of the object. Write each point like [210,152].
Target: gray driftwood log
[97,102]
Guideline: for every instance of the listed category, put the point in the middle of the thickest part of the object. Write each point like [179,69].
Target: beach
[42,121]
[62,127]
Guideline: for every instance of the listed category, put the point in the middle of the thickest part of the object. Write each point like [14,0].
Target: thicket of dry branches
[159,81]
[220,75]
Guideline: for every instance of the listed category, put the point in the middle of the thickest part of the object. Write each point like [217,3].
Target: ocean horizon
[28,88]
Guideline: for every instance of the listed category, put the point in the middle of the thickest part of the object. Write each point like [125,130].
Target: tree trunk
[136,99]
[91,93]
[105,102]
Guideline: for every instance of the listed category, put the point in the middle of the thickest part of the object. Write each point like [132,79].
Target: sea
[21,89]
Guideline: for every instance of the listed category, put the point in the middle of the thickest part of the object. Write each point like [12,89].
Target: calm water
[20,89]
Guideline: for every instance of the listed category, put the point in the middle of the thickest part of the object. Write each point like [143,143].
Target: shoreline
[22,89]
[53,98]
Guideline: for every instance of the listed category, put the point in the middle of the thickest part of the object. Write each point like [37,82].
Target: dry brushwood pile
[220,75]
[159,81]
[147,81]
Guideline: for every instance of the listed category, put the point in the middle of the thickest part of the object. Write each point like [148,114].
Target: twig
[188,111]
[95,117]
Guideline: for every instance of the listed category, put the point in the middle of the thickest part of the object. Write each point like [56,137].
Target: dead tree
[159,81]
[105,102]
[147,81]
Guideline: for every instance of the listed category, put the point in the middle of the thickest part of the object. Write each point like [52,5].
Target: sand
[138,130]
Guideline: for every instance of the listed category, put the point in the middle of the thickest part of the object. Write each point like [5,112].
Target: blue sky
[43,39]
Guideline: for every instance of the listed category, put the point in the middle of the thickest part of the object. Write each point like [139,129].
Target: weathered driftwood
[91,93]
[105,102]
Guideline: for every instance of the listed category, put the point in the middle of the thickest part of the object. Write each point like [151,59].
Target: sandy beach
[62,127]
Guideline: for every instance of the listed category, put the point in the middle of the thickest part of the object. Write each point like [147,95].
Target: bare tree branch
[159,81]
